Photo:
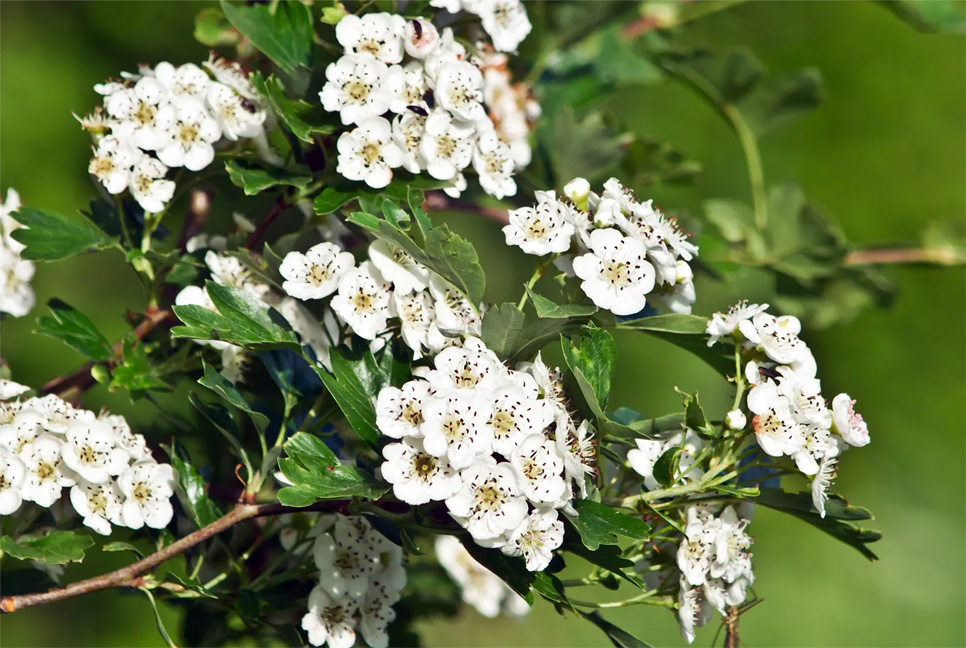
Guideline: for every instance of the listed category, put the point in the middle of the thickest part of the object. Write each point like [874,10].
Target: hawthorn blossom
[316,273]
[186,80]
[12,476]
[407,131]
[144,113]
[45,476]
[489,502]
[417,317]
[416,476]
[148,185]
[92,451]
[399,411]
[820,484]
[576,446]
[459,90]
[512,417]
[616,275]
[776,429]
[466,369]
[480,588]
[368,153]
[420,38]
[363,300]
[98,504]
[451,427]
[723,324]
[330,620]
[345,560]
[16,295]
[536,538]
[238,117]
[378,35]
[405,87]
[539,469]
[398,267]
[147,489]
[848,423]
[355,89]
[112,163]
[191,137]
[542,229]
[446,145]
[493,162]
[506,22]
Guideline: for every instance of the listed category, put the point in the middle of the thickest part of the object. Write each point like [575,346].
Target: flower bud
[577,191]
[684,272]
[421,38]
[735,419]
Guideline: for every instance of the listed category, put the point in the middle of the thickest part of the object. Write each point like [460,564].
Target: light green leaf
[619,637]
[213,29]
[55,548]
[601,524]
[317,474]
[281,30]
[135,372]
[687,332]
[931,16]
[455,259]
[227,391]
[50,236]
[255,178]
[76,331]
[548,309]
[501,329]
[193,493]
[594,360]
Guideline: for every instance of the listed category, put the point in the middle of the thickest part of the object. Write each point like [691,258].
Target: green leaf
[50,236]
[135,372]
[213,29]
[550,588]
[687,332]
[512,570]
[55,548]
[218,415]
[157,619]
[193,493]
[647,427]
[931,16]
[255,178]
[541,332]
[317,474]
[593,365]
[620,638]
[608,557]
[331,199]
[694,417]
[501,329]
[839,520]
[782,99]
[666,467]
[548,309]
[301,117]
[76,331]
[241,319]
[227,391]
[600,524]
[282,30]
[587,148]
[353,383]
[455,259]
[122,546]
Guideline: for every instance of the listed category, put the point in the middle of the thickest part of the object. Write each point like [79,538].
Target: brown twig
[130,576]
[732,640]
[198,208]
[438,201]
[277,209]
[81,377]
[932,256]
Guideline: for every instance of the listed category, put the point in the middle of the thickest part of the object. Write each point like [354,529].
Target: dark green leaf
[227,391]
[193,493]
[512,570]
[76,331]
[302,118]
[548,309]
[353,383]
[593,363]
[943,16]
[255,178]
[687,332]
[608,557]
[666,467]
[781,99]
[455,259]
[541,332]
[601,524]
[331,199]
[550,587]
[620,638]
[241,319]
[282,30]
[55,548]
[694,417]
[122,546]
[647,427]
[839,520]
[50,236]
[135,372]
[501,329]
[213,29]
[317,474]
[587,148]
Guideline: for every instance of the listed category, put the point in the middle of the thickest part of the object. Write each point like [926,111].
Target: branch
[937,256]
[130,576]
[438,201]
[81,377]
[277,209]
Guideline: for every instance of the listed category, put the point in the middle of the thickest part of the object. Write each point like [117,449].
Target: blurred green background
[885,155]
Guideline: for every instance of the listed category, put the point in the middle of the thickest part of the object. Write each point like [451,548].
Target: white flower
[539,469]
[377,34]
[316,273]
[416,476]
[237,116]
[112,163]
[98,504]
[376,610]
[368,153]
[723,324]
[232,75]
[8,223]
[690,611]
[133,444]
[490,502]
[407,132]
[616,275]
[405,87]
[45,478]
[648,451]
[459,90]
[446,145]
[805,395]
[147,488]
[16,295]
[12,476]
[849,423]
[363,300]
[452,428]
[481,588]
[144,113]
[576,445]
[417,316]
[542,229]
[344,560]
[647,223]
[58,414]
[9,389]
[777,337]
[148,185]
[455,314]
[493,162]
[510,416]
[191,137]
[330,621]
[234,362]
[536,538]
[27,425]
[420,38]
[467,369]
[92,451]
[399,411]
[186,80]
[354,89]
[397,266]
[820,484]
[548,380]
[577,191]
[506,22]
[776,429]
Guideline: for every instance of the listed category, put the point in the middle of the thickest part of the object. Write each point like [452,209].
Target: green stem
[756,174]
[537,273]
[647,598]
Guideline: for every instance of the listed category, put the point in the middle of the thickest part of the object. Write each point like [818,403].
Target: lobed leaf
[50,236]
[76,331]
[600,524]
[255,178]
[280,30]
[55,548]
[316,474]
[501,329]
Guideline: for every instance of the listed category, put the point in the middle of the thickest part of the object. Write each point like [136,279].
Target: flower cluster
[480,587]
[715,565]
[361,574]
[790,415]
[431,89]
[16,295]
[624,251]
[390,284]
[168,116]
[505,21]
[648,451]
[496,445]
[47,445]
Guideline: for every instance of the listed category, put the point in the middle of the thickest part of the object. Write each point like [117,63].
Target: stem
[940,256]
[642,599]
[438,201]
[277,209]
[753,158]
[130,576]
[534,278]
